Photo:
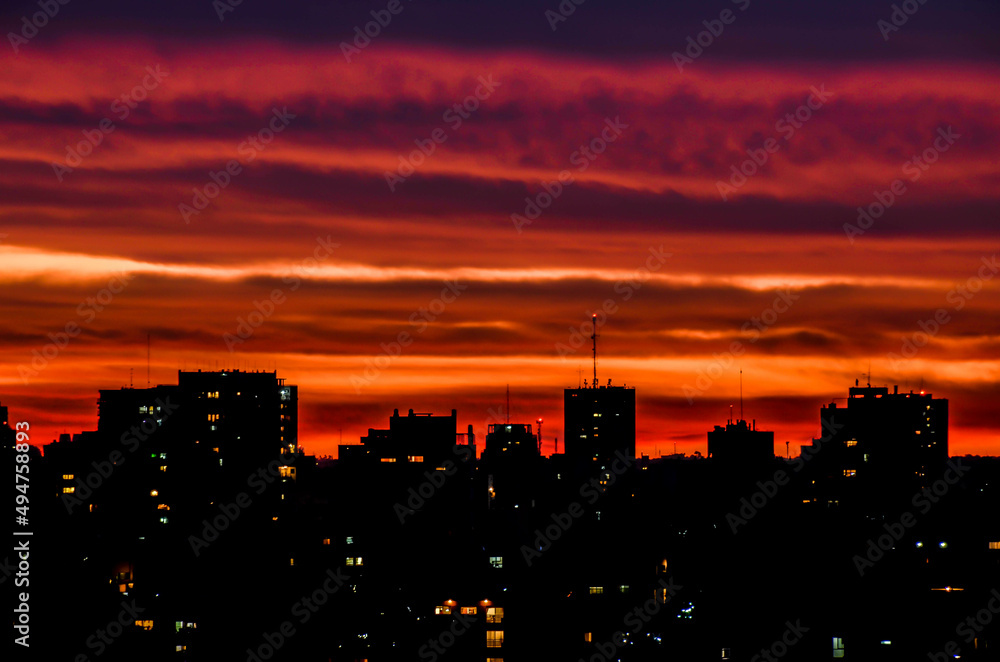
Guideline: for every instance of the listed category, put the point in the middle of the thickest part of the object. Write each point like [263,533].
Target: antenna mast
[594,338]
[147,359]
[741,395]
[508,404]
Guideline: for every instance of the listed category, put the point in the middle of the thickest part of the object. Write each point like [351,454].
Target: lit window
[494,638]
[725,654]
[287,472]
[388,459]
[995,545]
[414,458]
[496,561]
[494,615]
[588,637]
[596,590]
[350,540]
[145,625]
[852,442]
[442,610]
[470,611]
[355,560]
[326,541]
[69,490]
[213,417]
[291,561]
[180,649]
[68,476]
[623,588]
[838,647]
[850,473]
[163,467]
[163,506]
[494,659]
[164,520]
[154,493]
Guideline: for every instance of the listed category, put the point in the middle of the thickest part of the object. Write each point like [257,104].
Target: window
[163,467]
[442,610]
[291,561]
[494,615]
[163,506]
[326,542]
[623,588]
[588,637]
[414,458]
[213,417]
[494,659]
[494,638]
[995,545]
[597,590]
[355,560]
[69,490]
[388,459]
[145,625]
[154,493]
[496,561]
[725,654]
[852,442]
[164,520]
[470,611]
[838,647]
[287,472]
[850,473]
[68,476]
[350,540]
[180,649]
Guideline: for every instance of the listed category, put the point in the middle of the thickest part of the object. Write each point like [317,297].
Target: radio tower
[594,338]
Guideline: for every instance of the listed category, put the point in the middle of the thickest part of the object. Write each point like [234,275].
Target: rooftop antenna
[508,404]
[788,451]
[579,383]
[147,359]
[594,338]
[130,377]
[869,373]
[741,394]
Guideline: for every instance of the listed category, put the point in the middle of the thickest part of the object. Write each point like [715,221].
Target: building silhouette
[599,421]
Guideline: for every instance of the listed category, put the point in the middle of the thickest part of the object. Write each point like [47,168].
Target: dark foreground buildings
[190,526]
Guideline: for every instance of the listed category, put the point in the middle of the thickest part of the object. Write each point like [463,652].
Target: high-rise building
[740,443]
[599,421]
[416,438]
[884,442]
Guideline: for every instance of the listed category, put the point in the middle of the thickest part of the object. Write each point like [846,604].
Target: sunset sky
[72,232]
